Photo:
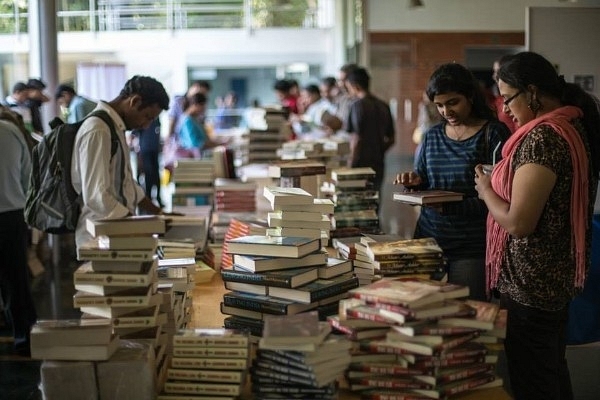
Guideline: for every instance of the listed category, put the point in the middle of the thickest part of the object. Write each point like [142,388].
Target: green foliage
[280,13]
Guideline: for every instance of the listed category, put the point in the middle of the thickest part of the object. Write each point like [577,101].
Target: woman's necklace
[456,135]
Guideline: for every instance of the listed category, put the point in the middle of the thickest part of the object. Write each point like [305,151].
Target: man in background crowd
[76,106]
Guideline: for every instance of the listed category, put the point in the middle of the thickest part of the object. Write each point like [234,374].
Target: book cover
[484,318]
[210,337]
[68,352]
[398,292]
[265,304]
[316,290]
[77,332]
[402,249]
[84,275]
[132,225]
[278,196]
[293,247]
[334,267]
[289,278]
[427,197]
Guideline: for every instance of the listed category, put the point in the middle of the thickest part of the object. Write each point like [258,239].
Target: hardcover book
[265,304]
[76,332]
[334,267]
[425,197]
[398,292]
[293,247]
[290,278]
[317,290]
[261,264]
[246,288]
[133,225]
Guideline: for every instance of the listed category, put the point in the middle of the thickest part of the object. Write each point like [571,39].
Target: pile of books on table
[356,201]
[419,338]
[298,358]
[260,144]
[307,175]
[207,363]
[233,195]
[193,182]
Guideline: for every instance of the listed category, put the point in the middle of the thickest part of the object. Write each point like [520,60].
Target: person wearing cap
[35,101]
[17,102]
[76,106]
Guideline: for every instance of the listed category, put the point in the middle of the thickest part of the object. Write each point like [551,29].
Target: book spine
[202,388]
[452,362]
[259,306]
[281,377]
[120,301]
[229,352]
[293,390]
[236,341]
[204,375]
[277,358]
[114,255]
[255,278]
[389,369]
[111,279]
[456,342]
[466,373]
[329,291]
[382,395]
[283,369]
[210,363]
[389,383]
[469,384]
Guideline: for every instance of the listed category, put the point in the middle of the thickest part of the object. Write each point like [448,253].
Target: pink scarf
[502,178]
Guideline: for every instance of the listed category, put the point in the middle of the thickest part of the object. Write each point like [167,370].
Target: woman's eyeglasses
[511,98]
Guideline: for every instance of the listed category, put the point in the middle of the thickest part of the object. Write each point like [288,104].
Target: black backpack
[52,204]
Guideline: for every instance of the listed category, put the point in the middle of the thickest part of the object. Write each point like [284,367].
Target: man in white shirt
[106,182]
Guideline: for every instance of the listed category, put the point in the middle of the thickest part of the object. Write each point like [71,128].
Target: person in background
[105,181]
[428,116]
[450,150]
[308,124]
[345,98]
[17,102]
[499,100]
[178,105]
[370,125]
[226,116]
[76,106]
[15,168]
[193,138]
[540,199]
[149,143]
[36,99]
[283,91]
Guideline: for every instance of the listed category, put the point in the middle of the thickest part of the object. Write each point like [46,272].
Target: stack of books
[193,182]
[333,152]
[233,195]
[207,363]
[281,276]
[73,339]
[356,202]
[432,338]
[391,257]
[261,143]
[295,212]
[118,280]
[297,358]
[307,175]
[237,228]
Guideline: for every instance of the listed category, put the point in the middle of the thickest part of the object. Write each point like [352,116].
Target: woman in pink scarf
[540,201]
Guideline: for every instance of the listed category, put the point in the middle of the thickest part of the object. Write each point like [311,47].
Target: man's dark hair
[149,89]
[347,68]
[198,98]
[282,85]
[20,87]
[36,84]
[313,89]
[359,77]
[203,84]
[62,89]
[329,81]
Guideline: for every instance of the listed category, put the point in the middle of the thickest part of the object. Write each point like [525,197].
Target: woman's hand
[483,181]
[408,179]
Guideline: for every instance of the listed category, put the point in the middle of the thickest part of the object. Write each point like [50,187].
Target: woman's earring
[534,105]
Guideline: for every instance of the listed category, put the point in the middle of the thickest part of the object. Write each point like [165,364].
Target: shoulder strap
[115,142]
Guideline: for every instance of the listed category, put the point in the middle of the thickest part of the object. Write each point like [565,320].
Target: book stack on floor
[118,280]
[298,358]
[356,202]
[281,276]
[307,175]
[80,357]
[193,182]
[233,195]
[431,339]
[207,363]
